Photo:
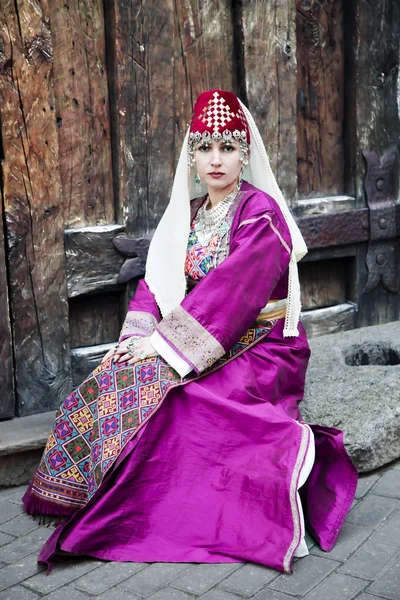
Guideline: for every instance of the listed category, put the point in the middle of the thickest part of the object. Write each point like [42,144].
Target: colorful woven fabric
[102,415]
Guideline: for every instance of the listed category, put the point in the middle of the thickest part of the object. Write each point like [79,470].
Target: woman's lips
[216,175]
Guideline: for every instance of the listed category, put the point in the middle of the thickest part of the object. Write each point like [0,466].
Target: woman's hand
[131,350]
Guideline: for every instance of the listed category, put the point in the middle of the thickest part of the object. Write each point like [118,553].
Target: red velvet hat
[218,115]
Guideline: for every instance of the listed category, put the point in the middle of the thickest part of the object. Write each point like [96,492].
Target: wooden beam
[269,36]
[82,111]
[335,229]
[161,56]
[322,205]
[320,102]
[33,209]
[93,262]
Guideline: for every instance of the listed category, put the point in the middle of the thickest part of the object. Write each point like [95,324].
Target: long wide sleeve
[143,313]
[220,309]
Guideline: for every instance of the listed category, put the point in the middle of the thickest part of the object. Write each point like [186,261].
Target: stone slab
[337,586]
[198,579]
[307,574]
[388,585]
[19,468]
[248,580]
[65,571]
[25,433]
[369,560]
[364,400]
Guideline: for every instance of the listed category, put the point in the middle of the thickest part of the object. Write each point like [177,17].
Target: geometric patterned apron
[99,418]
[102,415]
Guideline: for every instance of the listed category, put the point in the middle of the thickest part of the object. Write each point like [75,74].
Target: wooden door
[56,174]
[95,100]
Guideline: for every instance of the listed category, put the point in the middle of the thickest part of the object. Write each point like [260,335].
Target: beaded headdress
[218,115]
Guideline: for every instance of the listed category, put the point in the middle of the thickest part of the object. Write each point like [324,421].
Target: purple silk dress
[210,472]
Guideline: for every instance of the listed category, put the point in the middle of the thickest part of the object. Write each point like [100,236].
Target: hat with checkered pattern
[218,116]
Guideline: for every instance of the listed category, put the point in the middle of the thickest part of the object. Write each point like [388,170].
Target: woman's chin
[219,184]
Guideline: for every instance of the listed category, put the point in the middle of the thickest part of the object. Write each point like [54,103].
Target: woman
[186,443]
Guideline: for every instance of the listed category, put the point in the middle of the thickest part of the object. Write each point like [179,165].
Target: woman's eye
[228,148]
[203,148]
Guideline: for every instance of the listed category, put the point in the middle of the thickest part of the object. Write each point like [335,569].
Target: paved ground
[364,565]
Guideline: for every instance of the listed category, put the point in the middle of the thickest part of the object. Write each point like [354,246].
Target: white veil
[165,267]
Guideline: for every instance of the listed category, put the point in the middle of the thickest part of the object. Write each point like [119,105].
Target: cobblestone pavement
[364,565]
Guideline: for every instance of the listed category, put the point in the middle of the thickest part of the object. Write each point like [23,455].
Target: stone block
[19,468]
[350,538]
[19,571]
[218,595]
[308,573]
[388,584]
[365,483]
[25,545]
[152,578]
[369,560]
[169,593]
[388,485]
[337,586]
[117,593]
[65,571]
[269,594]
[107,576]
[200,578]
[5,538]
[20,525]
[8,511]
[66,593]
[17,593]
[352,384]
[373,510]
[390,532]
[248,580]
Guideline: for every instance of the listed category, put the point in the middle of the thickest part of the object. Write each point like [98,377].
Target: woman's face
[218,163]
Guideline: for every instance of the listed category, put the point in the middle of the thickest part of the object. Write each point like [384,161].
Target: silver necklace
[209,221]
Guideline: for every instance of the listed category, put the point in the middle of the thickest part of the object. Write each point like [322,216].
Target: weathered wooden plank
[372,116]
[323,283]
[95,319]
[379,305]
[7,398]
[372,123]
[82,111]
[320,88]
[333,319]
[33,209]
[161,56]
[325,204]
[334,229]
[93,262]
[269,34]
[84,360]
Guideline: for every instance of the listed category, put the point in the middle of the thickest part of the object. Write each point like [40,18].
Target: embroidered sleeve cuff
[138,323]
[190,339]
[169,355]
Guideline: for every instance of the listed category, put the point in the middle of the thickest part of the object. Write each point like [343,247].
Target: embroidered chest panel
[204,255]
[200,258]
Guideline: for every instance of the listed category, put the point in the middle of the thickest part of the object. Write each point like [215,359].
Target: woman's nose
[216,158]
